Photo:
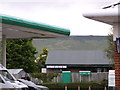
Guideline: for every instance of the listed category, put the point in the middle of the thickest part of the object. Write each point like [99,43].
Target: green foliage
[43,55]
[110,49]
[21,54]
[74,86]
[45,77]
[42,59]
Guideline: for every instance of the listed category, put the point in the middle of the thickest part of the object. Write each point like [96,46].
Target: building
[110,15]
[77,60]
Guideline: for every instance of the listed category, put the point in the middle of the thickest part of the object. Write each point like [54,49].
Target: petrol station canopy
[109,16]
[13,28]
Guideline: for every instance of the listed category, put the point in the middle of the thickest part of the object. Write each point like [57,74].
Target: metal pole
[0,40]
[78,87]
[105,88]
[89,87]
[65,87]
[4,50]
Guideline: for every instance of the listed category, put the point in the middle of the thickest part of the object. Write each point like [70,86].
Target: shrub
[45,77]
[74,86]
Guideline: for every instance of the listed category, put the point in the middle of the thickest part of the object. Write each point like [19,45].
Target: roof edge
[35,25]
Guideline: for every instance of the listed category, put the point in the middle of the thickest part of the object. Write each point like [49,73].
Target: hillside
[72,43]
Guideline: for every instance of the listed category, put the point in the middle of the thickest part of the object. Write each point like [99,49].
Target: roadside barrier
[89,87]
[65,87]
[105,88]
[78,87]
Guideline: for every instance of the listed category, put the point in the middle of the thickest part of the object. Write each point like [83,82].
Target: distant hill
[72,43]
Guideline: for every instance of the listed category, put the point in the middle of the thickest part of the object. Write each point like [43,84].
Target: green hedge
[45,77]
[74,86]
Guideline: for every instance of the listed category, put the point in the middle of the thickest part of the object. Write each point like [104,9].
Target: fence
[76,77]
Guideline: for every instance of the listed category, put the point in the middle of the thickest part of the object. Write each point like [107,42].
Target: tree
[43,55]
[42,58]
[21,54]
[110,49]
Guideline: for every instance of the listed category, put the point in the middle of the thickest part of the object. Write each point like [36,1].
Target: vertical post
[105,88]
[89,87]
[0,40]
[117,68]
[80,78]
[89,78]
[65,87]
[116,34]
[78,87]
[57,79]
[72,77]
[4,50]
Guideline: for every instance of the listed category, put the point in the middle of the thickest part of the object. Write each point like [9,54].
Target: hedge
[74,86]
[45,77]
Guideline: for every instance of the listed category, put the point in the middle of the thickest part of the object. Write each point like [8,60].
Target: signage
[84,72]
[111,78]
[118,44]
[44,70]
[56,66]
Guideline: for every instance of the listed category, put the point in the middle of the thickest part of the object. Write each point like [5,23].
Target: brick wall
[117,68]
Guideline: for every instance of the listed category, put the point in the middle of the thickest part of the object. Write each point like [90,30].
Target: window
[6,75]
[99,70]
[1,81]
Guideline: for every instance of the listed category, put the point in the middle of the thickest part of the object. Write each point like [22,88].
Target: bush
[74,86]
[45,77]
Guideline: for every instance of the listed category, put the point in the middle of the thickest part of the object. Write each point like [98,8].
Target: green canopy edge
[34,25]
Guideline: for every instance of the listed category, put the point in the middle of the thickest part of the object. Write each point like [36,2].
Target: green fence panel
[66,76]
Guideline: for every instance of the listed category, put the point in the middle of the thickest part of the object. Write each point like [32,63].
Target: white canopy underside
[109,16]
[14,32]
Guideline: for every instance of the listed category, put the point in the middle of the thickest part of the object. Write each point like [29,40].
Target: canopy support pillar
[116,34]
[4,50]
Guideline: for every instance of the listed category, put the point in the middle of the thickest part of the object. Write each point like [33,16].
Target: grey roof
[77,57]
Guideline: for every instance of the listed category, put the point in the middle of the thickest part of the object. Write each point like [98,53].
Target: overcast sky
[61,13]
